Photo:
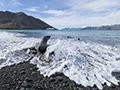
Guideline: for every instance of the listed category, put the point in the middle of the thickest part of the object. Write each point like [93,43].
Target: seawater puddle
[86,63]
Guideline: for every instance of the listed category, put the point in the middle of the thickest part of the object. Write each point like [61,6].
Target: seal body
[42,45]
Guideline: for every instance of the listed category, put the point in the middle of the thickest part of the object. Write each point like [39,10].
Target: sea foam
[86,63]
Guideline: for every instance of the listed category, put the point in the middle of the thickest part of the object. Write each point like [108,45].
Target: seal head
[42,45]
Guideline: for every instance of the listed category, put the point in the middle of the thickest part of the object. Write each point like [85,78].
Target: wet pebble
[59,79]
[33,73]
[22,72]
[52,79]
[27,89]
[28,79]
[22,88]
[25,84]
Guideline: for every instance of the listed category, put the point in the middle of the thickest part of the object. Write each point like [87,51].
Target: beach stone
[52,79]
[25,84]
[37,86]
[35,68]
[27,89]
[12,89]
[28,79]
[59,79]
[22,72]
[64,80]
[6,86]
[46,86]
[23,69]
[14,72]
[44,80]
[19,82]
[75,88]
[22,88]
[69,37]
[31,69]
[33,73]
[57,74]
[89,88]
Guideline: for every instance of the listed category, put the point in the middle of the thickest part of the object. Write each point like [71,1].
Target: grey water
[105,37]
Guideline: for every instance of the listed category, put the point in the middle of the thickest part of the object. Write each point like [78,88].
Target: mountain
[107,27]
[110,27]
[20,20]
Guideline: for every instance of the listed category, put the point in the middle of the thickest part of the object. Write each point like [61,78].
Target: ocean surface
[87,61]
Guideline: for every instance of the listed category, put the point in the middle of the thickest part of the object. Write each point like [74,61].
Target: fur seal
[42,45]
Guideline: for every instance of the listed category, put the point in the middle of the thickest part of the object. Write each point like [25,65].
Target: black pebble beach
[24,76]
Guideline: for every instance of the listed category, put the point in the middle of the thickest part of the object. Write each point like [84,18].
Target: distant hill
[110,27]
[20,20]
[107,27]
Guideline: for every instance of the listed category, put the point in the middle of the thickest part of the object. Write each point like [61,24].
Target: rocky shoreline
[24,76]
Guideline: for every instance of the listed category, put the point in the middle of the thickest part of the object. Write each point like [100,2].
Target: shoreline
[24,76]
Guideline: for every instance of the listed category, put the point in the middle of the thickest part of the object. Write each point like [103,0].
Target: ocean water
[87,61]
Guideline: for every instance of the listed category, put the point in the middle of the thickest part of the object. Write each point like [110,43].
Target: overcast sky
[68,13]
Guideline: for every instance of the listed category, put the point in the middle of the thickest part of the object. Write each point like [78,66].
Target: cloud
[55,12]
[85,13]
[94,5]
[58,12]
[33,9]
[79,21]
[2,4]
[15,3]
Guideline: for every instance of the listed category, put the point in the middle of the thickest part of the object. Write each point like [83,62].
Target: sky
[68,13]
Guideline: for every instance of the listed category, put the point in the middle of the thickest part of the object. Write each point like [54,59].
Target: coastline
[24,76]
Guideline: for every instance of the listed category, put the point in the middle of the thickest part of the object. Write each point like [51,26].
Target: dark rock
[23,69]
[33,73]
[28,79]
[22,88]
[27,89]
[37,86]
[25,84]
[14,72]
[116,75]
[52,79]
[35,68]
[79,39]
[69,37]
[22,72]
[6,86]
[57,74]
[64,80]
[46,85]
[89,88]
[59,79]
[12,89]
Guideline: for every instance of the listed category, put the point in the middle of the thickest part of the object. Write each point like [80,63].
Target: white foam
[11,48]
[85,63]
